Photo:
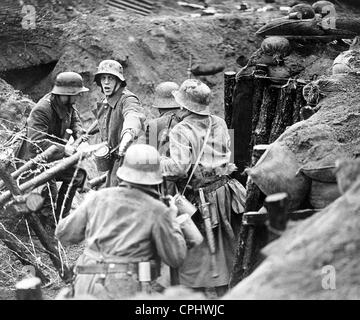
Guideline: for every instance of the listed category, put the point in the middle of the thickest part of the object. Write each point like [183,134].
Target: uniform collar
[113,100]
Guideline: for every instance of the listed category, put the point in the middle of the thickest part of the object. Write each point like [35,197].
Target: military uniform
[118,115]
[123,226]
[121,112]
[46,124]
[157,131]
[226,196]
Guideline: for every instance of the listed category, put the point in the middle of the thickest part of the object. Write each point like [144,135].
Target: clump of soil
[14,109]
[331,133]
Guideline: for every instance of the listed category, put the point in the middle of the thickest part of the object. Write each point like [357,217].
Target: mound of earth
[14,109]
[333,132]
[313,258]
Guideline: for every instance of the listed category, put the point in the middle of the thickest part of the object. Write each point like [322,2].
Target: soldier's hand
[85,137]
[125,141]
[83,146]
[172,206]
[69,150]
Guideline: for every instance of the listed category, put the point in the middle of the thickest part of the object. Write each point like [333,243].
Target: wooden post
[42,157]
[253,202]
[241,123]
[299,102]
[29,289]
[50,173]
[229,84]
[260,83]
[34,203]
[253,236]
[254,196]
[44,176]
[266,116]
[284,112]
[276,205]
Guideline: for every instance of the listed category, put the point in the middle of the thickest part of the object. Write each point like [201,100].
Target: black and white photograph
[179,155]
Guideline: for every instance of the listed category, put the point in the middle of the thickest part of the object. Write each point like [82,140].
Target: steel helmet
[69,84]
[109,67]
[163,95]
[141,165]
[194,96]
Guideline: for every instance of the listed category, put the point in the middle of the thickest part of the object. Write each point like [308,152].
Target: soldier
[157,130]
[120,115]
[46,125]
[124,226]
[200,158]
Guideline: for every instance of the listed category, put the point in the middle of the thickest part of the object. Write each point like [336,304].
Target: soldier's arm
[134,117]
[71,229]
[169,239]
[75,124]
[179,162]
[38,127]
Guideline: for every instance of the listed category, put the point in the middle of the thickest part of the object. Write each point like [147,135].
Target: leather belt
[103,268]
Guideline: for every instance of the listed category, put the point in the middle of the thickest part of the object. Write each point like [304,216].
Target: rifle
[204,209]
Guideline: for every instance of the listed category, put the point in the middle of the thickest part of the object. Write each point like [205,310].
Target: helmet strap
[117,87]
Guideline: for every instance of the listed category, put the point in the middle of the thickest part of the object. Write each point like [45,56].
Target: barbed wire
[13,138]
[39,131]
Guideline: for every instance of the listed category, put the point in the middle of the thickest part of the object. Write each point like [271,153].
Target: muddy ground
[152,49]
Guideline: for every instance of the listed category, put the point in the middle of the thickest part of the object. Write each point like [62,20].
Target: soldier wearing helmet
[46,125]
[157,130]
[120,115]
[200,158]
[127,230]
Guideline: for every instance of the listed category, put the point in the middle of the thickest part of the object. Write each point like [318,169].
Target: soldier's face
[67,100]
[109,84]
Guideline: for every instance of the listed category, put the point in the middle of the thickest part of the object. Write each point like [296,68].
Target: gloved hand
[125,141]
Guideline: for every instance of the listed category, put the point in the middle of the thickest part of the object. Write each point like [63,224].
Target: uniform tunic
[47,122]
[157,131]
[121,225]
[120,113]
[226,196]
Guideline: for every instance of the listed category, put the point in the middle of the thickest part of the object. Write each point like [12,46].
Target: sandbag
[324,8]
[279,72]
[275,46]
[321,174]
[346,62]
[314,91]
[323,193]
[287,27]
[306,11]
[348,24]
[207,69]
[276,172]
